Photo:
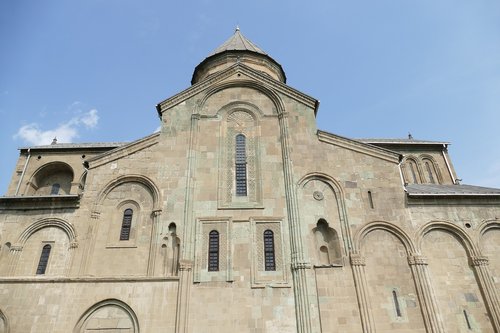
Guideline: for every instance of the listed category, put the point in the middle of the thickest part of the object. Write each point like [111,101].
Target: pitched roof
[403,141]
[91,145]
[237,42]
[450,190]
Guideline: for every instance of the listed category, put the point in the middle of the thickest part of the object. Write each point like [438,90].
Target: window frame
[43,262]
[269,250]
[213,251]
[126,228]
[240,165]
[54,190]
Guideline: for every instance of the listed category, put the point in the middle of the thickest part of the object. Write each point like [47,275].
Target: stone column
[73,245]
[185,280]
[430,311]
[89,243]
[15,253]
[487,286]
[358,264]
[305,297]
[153,246]
[187,257]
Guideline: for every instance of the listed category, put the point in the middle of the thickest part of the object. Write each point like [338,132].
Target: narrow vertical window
[396,303]
[55,189]
[269,258]
[370,199]
[213,251]
[467,320]
[44,259]
[429,172]
[241,165]
[126,224]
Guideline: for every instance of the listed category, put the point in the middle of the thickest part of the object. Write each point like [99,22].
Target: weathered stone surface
[154,236]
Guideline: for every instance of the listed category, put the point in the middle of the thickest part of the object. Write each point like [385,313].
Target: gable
[238,75]
[359,147]
[123,151]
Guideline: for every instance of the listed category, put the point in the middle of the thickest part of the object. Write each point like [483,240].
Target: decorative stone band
[185,266]
[301,265]
[357,260]
[16,248]
[417,260]
[479,261]
[156,213]
[283,115]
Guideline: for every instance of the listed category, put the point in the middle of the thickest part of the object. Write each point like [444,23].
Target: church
[240,215]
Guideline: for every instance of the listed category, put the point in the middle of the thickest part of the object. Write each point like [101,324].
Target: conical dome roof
[241,49]
[237,42]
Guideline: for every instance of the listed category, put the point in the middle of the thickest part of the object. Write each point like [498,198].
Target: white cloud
[90,119]
[67,132]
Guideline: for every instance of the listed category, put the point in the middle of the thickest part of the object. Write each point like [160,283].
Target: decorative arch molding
[484,227]
[5,322]
[225,111]
[435,165]
[332,182]
[385,226]
[45,223]
[143,180]
[52,165]
[453,229]
[46,172]
[108,302]
[273,96]
[487,225]
[240,122]
[338,190]
[407,169]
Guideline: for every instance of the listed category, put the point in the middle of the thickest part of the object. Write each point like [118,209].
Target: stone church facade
[241,216]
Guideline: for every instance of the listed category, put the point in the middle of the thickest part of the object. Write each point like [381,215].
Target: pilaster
[187,257]
[358,264]
[430,311]
[153,245]
[487,286]
[183,293]
[305,299]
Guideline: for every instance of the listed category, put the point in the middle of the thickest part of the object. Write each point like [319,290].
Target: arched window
[55,189]
[44,259]
[213,251]
[241,165]
[269,257]
[126,224]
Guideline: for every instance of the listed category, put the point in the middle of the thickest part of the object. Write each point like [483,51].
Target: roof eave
[216,55]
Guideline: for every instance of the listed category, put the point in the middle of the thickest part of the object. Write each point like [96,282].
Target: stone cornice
[40,202]
[359,147]
[123,151]
[84,279]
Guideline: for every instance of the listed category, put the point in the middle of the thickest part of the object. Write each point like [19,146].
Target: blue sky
[93,70]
